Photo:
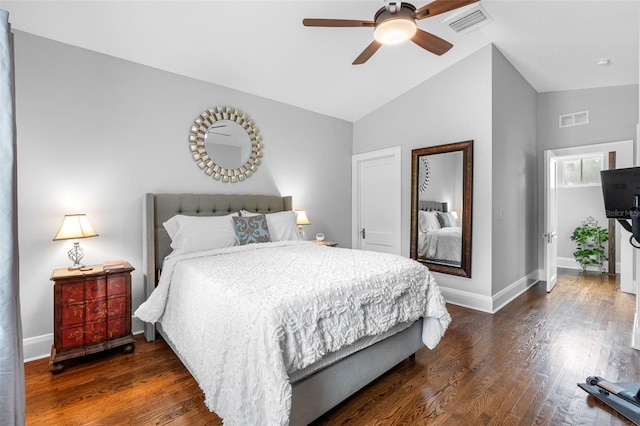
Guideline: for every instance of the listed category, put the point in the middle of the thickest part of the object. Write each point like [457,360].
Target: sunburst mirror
[226,144]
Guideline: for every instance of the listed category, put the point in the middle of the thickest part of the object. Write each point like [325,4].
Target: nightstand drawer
[117,327]
[81,291]
[93,311]
[73,314]
[116,285]
[74,337]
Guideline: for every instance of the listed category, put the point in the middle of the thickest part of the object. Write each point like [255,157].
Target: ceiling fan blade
[430,42]
[437,7]
[312,22]
[367,53]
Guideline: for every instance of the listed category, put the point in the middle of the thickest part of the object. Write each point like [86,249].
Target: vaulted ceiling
[261,47]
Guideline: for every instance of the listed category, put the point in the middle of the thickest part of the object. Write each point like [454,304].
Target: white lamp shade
[301,218]
[75,226]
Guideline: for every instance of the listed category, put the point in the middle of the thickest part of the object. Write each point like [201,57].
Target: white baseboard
[467,299]
[515,289]
[39,347]
[489,304]
[571,263]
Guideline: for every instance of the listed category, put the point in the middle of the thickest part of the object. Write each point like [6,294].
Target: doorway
[575,205]
[377,206]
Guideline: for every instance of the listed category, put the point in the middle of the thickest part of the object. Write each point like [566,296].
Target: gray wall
[515,240]
[453,106]
[575,205]
[613,117]
[96,133]
[483,98]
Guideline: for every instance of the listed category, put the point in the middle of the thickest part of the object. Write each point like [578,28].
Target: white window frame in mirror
[204,160]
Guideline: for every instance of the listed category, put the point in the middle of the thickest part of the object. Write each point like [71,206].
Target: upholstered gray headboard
[158,208]
[439,206]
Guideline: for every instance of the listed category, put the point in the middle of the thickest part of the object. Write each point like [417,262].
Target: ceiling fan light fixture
[395,30]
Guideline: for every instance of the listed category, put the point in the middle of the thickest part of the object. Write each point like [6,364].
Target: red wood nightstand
[92,312]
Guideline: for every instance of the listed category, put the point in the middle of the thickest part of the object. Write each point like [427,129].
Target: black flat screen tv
[621,190]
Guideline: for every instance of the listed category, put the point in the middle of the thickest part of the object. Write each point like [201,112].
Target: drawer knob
[96,310]
[95,332]
[94,289]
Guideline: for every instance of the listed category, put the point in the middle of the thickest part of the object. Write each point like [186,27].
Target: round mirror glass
[228,143]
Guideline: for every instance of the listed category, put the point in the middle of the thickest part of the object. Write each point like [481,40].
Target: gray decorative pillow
[251,229]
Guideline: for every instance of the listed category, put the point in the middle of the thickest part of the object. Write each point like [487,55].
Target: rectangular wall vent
[468,19]
[574,119]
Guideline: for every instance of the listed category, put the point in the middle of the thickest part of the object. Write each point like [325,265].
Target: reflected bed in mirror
[441,194]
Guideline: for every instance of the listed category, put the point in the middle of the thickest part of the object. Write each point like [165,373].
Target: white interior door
[377,221]
[550,220]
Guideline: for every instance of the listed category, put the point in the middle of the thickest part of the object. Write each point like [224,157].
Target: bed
[439,236]
[306,381]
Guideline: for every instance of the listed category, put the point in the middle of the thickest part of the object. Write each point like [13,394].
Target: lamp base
[76,253]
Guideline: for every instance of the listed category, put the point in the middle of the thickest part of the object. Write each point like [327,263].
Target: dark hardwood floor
[517,367]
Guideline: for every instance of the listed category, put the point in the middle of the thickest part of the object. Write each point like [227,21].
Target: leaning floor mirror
[441,206]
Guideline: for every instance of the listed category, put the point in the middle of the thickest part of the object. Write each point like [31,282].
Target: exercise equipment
[622,397]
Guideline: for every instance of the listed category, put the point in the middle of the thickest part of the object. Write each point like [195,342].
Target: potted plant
[590,239]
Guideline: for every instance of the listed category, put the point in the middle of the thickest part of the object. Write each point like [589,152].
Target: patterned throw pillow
[251,229]
[444,220]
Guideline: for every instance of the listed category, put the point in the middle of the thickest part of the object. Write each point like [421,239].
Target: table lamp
[301,219]
[74,227]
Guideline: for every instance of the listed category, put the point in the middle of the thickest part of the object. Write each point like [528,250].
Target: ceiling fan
[395,23]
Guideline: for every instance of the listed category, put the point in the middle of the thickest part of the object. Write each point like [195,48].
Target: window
[582,171]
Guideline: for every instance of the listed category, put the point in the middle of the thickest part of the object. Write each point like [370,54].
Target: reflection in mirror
[228,143]
[441,207]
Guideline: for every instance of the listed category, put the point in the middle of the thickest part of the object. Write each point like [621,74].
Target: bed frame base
[315,395]
[319,393]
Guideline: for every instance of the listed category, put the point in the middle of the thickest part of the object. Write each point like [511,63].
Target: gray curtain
[12,393]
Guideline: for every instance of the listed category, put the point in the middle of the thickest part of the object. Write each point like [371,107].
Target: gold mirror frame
[204,160]
[417,157]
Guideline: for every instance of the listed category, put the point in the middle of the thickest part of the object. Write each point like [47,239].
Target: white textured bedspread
[443,244]
[242,318]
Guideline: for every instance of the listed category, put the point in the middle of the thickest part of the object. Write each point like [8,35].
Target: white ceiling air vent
[468,19]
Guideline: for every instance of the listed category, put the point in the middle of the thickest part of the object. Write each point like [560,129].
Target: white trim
[515,289]
[571,263]
[489,304]
[37,347]
[635,334]
[467,299]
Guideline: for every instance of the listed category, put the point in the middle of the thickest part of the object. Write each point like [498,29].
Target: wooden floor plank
[519,366]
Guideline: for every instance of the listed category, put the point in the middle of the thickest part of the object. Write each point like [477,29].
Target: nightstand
[92,312]
[326,243]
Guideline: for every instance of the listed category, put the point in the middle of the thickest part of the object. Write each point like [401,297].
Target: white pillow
[422,221]
[198,233]
[282,225]
[432,221]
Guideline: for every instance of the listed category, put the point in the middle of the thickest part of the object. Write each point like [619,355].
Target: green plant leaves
[590,239]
